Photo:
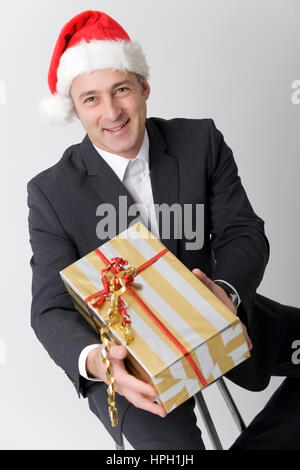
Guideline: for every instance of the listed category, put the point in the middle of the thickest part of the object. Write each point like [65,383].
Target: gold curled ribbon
[112,409]
[116,314]
[114,318]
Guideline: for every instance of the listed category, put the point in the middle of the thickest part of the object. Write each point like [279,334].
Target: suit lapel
[104,182]
[163,173]
[164,177]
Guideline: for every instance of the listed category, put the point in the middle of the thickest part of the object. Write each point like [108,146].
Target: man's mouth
[117,129]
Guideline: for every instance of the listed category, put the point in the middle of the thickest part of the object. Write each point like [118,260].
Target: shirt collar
[119,164]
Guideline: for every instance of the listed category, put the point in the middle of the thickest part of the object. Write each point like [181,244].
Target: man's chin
[121,148]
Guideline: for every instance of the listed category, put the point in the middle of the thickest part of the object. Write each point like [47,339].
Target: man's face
[107,99]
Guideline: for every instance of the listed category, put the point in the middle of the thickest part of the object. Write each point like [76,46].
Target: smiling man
[111,106]
[99,75]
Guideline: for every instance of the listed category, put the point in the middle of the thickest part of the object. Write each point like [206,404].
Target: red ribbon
[116,265]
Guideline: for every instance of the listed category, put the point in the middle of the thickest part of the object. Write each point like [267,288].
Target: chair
[205,414]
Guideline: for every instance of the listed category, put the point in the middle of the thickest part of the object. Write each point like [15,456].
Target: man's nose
[111,110]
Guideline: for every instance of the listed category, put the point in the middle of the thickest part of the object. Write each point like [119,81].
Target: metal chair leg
[210,427]
[205,414]
[120,446]
[231,405]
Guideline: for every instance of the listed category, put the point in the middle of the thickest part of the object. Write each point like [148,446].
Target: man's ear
[145,87]
[74,107]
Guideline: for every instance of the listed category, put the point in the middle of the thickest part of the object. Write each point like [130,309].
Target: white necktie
[137,182]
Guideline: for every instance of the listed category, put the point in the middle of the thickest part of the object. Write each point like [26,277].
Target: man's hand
[139,393]
[221,294]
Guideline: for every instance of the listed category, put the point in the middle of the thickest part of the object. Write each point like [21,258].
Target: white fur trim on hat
[84,58]
[57,109]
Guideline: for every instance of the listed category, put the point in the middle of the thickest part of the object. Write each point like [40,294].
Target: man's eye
[90,99]
[122,89]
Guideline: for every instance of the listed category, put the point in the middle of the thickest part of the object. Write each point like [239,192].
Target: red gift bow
[116,265]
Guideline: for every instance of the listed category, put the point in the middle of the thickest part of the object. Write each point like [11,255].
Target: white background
[231,60]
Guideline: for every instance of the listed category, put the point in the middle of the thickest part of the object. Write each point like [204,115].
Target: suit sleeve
[56,323]
[240,246]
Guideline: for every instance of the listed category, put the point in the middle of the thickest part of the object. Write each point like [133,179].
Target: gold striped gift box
[184,336]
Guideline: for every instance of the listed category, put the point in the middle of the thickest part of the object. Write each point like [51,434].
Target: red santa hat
[90,41]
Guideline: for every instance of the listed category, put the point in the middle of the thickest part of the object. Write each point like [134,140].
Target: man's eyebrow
[123,82]
[94,92]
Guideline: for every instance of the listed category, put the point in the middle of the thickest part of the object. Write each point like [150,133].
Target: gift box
[183,336]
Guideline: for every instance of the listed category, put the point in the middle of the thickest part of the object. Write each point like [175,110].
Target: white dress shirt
[135,176]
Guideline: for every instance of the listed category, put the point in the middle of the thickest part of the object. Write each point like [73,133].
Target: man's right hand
[139,393]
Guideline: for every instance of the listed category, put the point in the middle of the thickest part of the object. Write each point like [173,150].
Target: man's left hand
[221,294]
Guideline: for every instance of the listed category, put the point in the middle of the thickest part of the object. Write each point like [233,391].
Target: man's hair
[139,77]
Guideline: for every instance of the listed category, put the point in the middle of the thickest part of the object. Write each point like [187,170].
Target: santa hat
[90,41]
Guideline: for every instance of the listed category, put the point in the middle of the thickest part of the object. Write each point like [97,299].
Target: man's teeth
[118,128]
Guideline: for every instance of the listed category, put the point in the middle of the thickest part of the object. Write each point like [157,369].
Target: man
[99,74]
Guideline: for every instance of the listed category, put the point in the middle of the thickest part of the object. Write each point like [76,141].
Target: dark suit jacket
[189,163]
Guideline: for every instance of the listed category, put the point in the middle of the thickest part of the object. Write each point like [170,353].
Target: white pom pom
[57,109]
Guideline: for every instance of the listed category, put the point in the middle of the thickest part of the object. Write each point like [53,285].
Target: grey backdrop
[231,60]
